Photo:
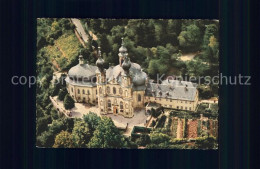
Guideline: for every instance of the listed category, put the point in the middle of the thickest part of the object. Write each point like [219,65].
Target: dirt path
[188,56]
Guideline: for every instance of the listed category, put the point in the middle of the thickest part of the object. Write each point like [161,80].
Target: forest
[157,45]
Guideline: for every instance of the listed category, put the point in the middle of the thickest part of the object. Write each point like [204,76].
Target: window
[121,105]
[108,90]
[108,103]
[181,101]
[190,108]
[78,91]
[100,90]
[71,89]
[88,92]
[120,91]
[96,91]
[125,93]
[101,103]
[170,106]
[170,100]
[181,107]
[185,108]
[139,97]
[166,99]
[83,91]
[114,90]
[177,107]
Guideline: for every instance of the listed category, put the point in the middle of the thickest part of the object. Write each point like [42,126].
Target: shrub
[206,142]
[161,122]
[69,103]
[62,94]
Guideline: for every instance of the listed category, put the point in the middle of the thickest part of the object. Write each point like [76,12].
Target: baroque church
[124,88]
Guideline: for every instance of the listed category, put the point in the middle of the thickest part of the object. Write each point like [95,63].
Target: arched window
[108,89]
[121,105]
[120,91]
[88,92]
[125,93]
[71,89]
[100,90]
[78,91]
[139,97]
[83,91]
[114,90]
[109,103]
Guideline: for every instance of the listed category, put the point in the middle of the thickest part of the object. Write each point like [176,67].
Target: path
[188,56]
[80,29]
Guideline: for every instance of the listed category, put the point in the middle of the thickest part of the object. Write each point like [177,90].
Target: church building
[124,88]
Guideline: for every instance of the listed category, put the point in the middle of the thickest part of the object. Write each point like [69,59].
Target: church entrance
[115,110]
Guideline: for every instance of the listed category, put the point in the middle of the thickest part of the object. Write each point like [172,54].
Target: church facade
[122,89]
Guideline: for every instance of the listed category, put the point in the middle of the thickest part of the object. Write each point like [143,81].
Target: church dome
[139,79]
[100,63]
[122,49]
[126,65]
[82,71]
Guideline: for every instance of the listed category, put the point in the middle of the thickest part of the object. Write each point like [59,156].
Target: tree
[42,124]
[46,139]
[211,30]
[81,134]
[190,38]
[92,119]
[63,140]
[143,140]
[158,137]
[106,135]
[69,103]
[62,94]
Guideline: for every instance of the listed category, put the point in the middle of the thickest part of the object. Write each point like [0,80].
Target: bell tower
[101,83]
[122,52]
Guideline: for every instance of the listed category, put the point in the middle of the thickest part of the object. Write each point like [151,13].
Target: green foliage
[46,139]
[153,123]
[69,103]
[161,122]
[143,140]
[63,140]
[62,93]
[155,112]
[190,37]
[206,142]
[42,124]
[81,134]
[157,138]
[92,119]
[106,135]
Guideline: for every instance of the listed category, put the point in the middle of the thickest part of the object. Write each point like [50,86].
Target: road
[80,29]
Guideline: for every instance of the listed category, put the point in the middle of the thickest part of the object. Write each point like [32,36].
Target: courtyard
[121,122]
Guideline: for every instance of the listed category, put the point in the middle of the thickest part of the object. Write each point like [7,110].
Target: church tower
[127,87]
[101,83]
[122,52]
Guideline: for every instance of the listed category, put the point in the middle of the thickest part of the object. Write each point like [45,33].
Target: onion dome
[126,65]
[100,62]
[139,79]
[122,49]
